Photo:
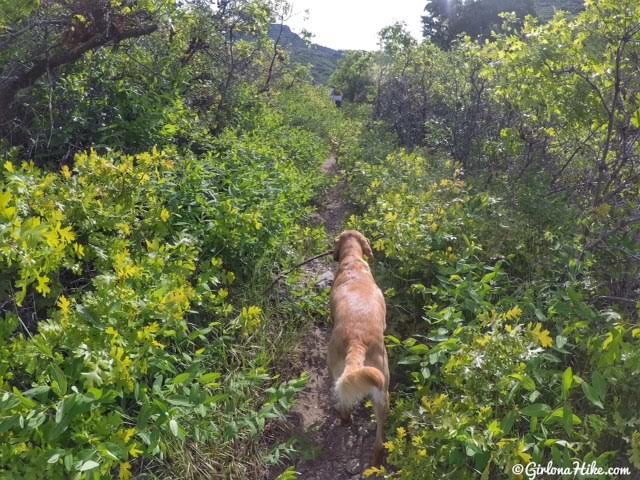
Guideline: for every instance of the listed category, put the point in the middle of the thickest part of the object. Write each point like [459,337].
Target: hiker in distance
[336,96]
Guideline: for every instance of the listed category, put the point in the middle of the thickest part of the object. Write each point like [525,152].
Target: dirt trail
[329,450]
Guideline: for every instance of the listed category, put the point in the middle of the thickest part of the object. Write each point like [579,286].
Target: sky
[354,24]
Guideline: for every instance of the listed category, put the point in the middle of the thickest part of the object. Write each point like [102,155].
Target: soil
[328,450]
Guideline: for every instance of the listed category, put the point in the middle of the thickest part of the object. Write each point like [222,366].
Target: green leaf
[68,462]
[69,408]
[558,415]
[567,381]
[560,341]
[596,391]
[471,448]
[173,426]
[525,381]
[26,402]
[180,402]
[410,360]
[419,349]
[36,391]
[8,401]
[508,421]
[554,441]
[599,385]
[393,340]
[489,277]
[56,456]
[635,119]
[208,378]
[219,397]
[59,384]
[536,410]
[591,395]
[567,419]
[181,378]
[8,423]
[88,465]
[289,474]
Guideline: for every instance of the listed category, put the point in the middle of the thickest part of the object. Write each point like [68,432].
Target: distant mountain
[546,8]
[323,60]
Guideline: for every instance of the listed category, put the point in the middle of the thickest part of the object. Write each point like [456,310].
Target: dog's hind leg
[345,414]
[336,364]
[380,405]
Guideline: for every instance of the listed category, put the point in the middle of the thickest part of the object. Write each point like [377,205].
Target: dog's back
[358,310]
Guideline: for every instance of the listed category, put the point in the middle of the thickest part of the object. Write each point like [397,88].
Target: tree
[354,76]
[481,17]
[446,19]
[61,92]
[36,38]
[436,24]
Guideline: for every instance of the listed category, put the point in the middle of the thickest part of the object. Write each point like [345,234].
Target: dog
[356,354]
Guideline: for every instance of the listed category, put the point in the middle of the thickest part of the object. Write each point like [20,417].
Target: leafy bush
[495,367]
[126,333]
[539,112]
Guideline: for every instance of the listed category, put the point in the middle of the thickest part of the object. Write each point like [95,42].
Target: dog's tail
[356,382]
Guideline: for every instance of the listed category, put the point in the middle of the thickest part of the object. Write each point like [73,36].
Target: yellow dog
[357,357]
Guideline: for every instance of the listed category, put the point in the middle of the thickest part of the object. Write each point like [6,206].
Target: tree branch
[26,78]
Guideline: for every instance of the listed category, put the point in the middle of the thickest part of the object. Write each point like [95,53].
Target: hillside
[323,60]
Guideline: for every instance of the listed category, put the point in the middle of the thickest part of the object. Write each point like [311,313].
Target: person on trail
[336,96]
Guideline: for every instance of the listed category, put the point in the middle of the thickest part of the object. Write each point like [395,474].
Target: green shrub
[498,362]
[130,328]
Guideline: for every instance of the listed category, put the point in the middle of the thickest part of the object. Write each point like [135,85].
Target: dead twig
[631,301]
[287,272]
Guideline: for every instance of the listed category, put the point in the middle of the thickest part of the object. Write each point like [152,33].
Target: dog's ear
[364,243]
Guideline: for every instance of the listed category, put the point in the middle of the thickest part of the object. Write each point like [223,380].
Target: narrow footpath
[329,450]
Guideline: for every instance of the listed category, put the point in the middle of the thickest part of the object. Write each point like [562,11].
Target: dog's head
[347,235]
